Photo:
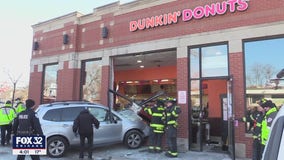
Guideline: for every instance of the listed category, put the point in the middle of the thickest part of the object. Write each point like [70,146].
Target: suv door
[59,121]
[109,132]
[274,150]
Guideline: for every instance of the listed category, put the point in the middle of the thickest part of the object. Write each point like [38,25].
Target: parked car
[115,127]
[274,149]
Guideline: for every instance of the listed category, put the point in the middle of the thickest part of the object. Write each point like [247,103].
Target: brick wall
[87,37]
[237,71]
[68,84]
[35,85]
[182,85]
[89,34]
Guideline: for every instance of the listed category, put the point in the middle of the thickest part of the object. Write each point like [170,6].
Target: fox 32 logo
[30,145]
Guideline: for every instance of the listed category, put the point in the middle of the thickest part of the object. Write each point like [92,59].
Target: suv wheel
[56,146]
[133,139]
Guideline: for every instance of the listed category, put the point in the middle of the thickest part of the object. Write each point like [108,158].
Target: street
[120,152]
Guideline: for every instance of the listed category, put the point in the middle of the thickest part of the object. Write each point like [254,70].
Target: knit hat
[8,102]
[30,103]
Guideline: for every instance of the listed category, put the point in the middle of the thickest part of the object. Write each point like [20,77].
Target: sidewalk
[120,152]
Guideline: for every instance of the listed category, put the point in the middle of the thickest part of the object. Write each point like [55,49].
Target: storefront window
[91,78]
[263,61]
[194,62]
[214,61]
[50,83]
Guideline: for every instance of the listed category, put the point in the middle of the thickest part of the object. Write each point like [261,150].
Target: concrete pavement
[120,152]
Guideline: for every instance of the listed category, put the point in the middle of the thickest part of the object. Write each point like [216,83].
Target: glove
[256,137]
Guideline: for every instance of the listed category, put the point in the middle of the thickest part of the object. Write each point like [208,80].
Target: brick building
[191,49]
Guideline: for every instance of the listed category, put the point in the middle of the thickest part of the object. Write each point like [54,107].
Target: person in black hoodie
[83,124]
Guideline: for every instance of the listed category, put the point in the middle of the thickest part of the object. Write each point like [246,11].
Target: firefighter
[7,115]
[270,112]
[172,112]
[256,118]
[157,126]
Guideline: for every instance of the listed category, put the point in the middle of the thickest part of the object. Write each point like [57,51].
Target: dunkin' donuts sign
[218,8]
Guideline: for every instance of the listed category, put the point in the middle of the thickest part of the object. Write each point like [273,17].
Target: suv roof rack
[67,103]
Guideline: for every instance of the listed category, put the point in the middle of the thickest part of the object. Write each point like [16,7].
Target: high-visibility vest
[7,114]
[265,129]
[20,107]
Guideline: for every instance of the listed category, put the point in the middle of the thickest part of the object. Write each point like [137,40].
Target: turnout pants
[171,135]
[155,141]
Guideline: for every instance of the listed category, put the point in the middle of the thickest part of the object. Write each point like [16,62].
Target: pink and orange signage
[218,8]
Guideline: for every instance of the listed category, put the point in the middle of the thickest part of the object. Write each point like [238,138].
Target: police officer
[171,114]
[84,125]
[7,115]
[19,107]
[157,126]
[26,123]
[269,115]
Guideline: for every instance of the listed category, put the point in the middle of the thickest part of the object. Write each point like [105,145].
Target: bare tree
[269,70]
[14,82]
[259,74]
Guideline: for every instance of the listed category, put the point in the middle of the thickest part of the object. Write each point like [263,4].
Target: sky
[17,17]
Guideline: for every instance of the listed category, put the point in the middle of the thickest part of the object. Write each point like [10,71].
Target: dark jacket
[84,123]
[26,123]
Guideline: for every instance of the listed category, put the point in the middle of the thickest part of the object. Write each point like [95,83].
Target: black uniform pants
[261,150]
[22,157]
[155,139]
[6,133]
[256,150]
[171,136]
[89,145]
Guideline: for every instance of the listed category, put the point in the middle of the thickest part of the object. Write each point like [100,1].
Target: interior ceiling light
[139,61]
[141,66]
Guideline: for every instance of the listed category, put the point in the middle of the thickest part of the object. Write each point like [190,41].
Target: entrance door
[209,114]
[231,120]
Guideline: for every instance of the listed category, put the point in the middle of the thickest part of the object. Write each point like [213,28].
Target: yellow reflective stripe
[175,114]
[173,153]
[158,131]
[8,105]
[258,124]
[157,125]
[157,114]
[251,117]
[158,148]
[150,111]
[172,122]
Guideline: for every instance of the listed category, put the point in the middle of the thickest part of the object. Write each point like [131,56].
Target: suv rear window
[62,114]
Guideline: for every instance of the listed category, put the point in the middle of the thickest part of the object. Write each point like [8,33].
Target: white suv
[115,127]
[274,149]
